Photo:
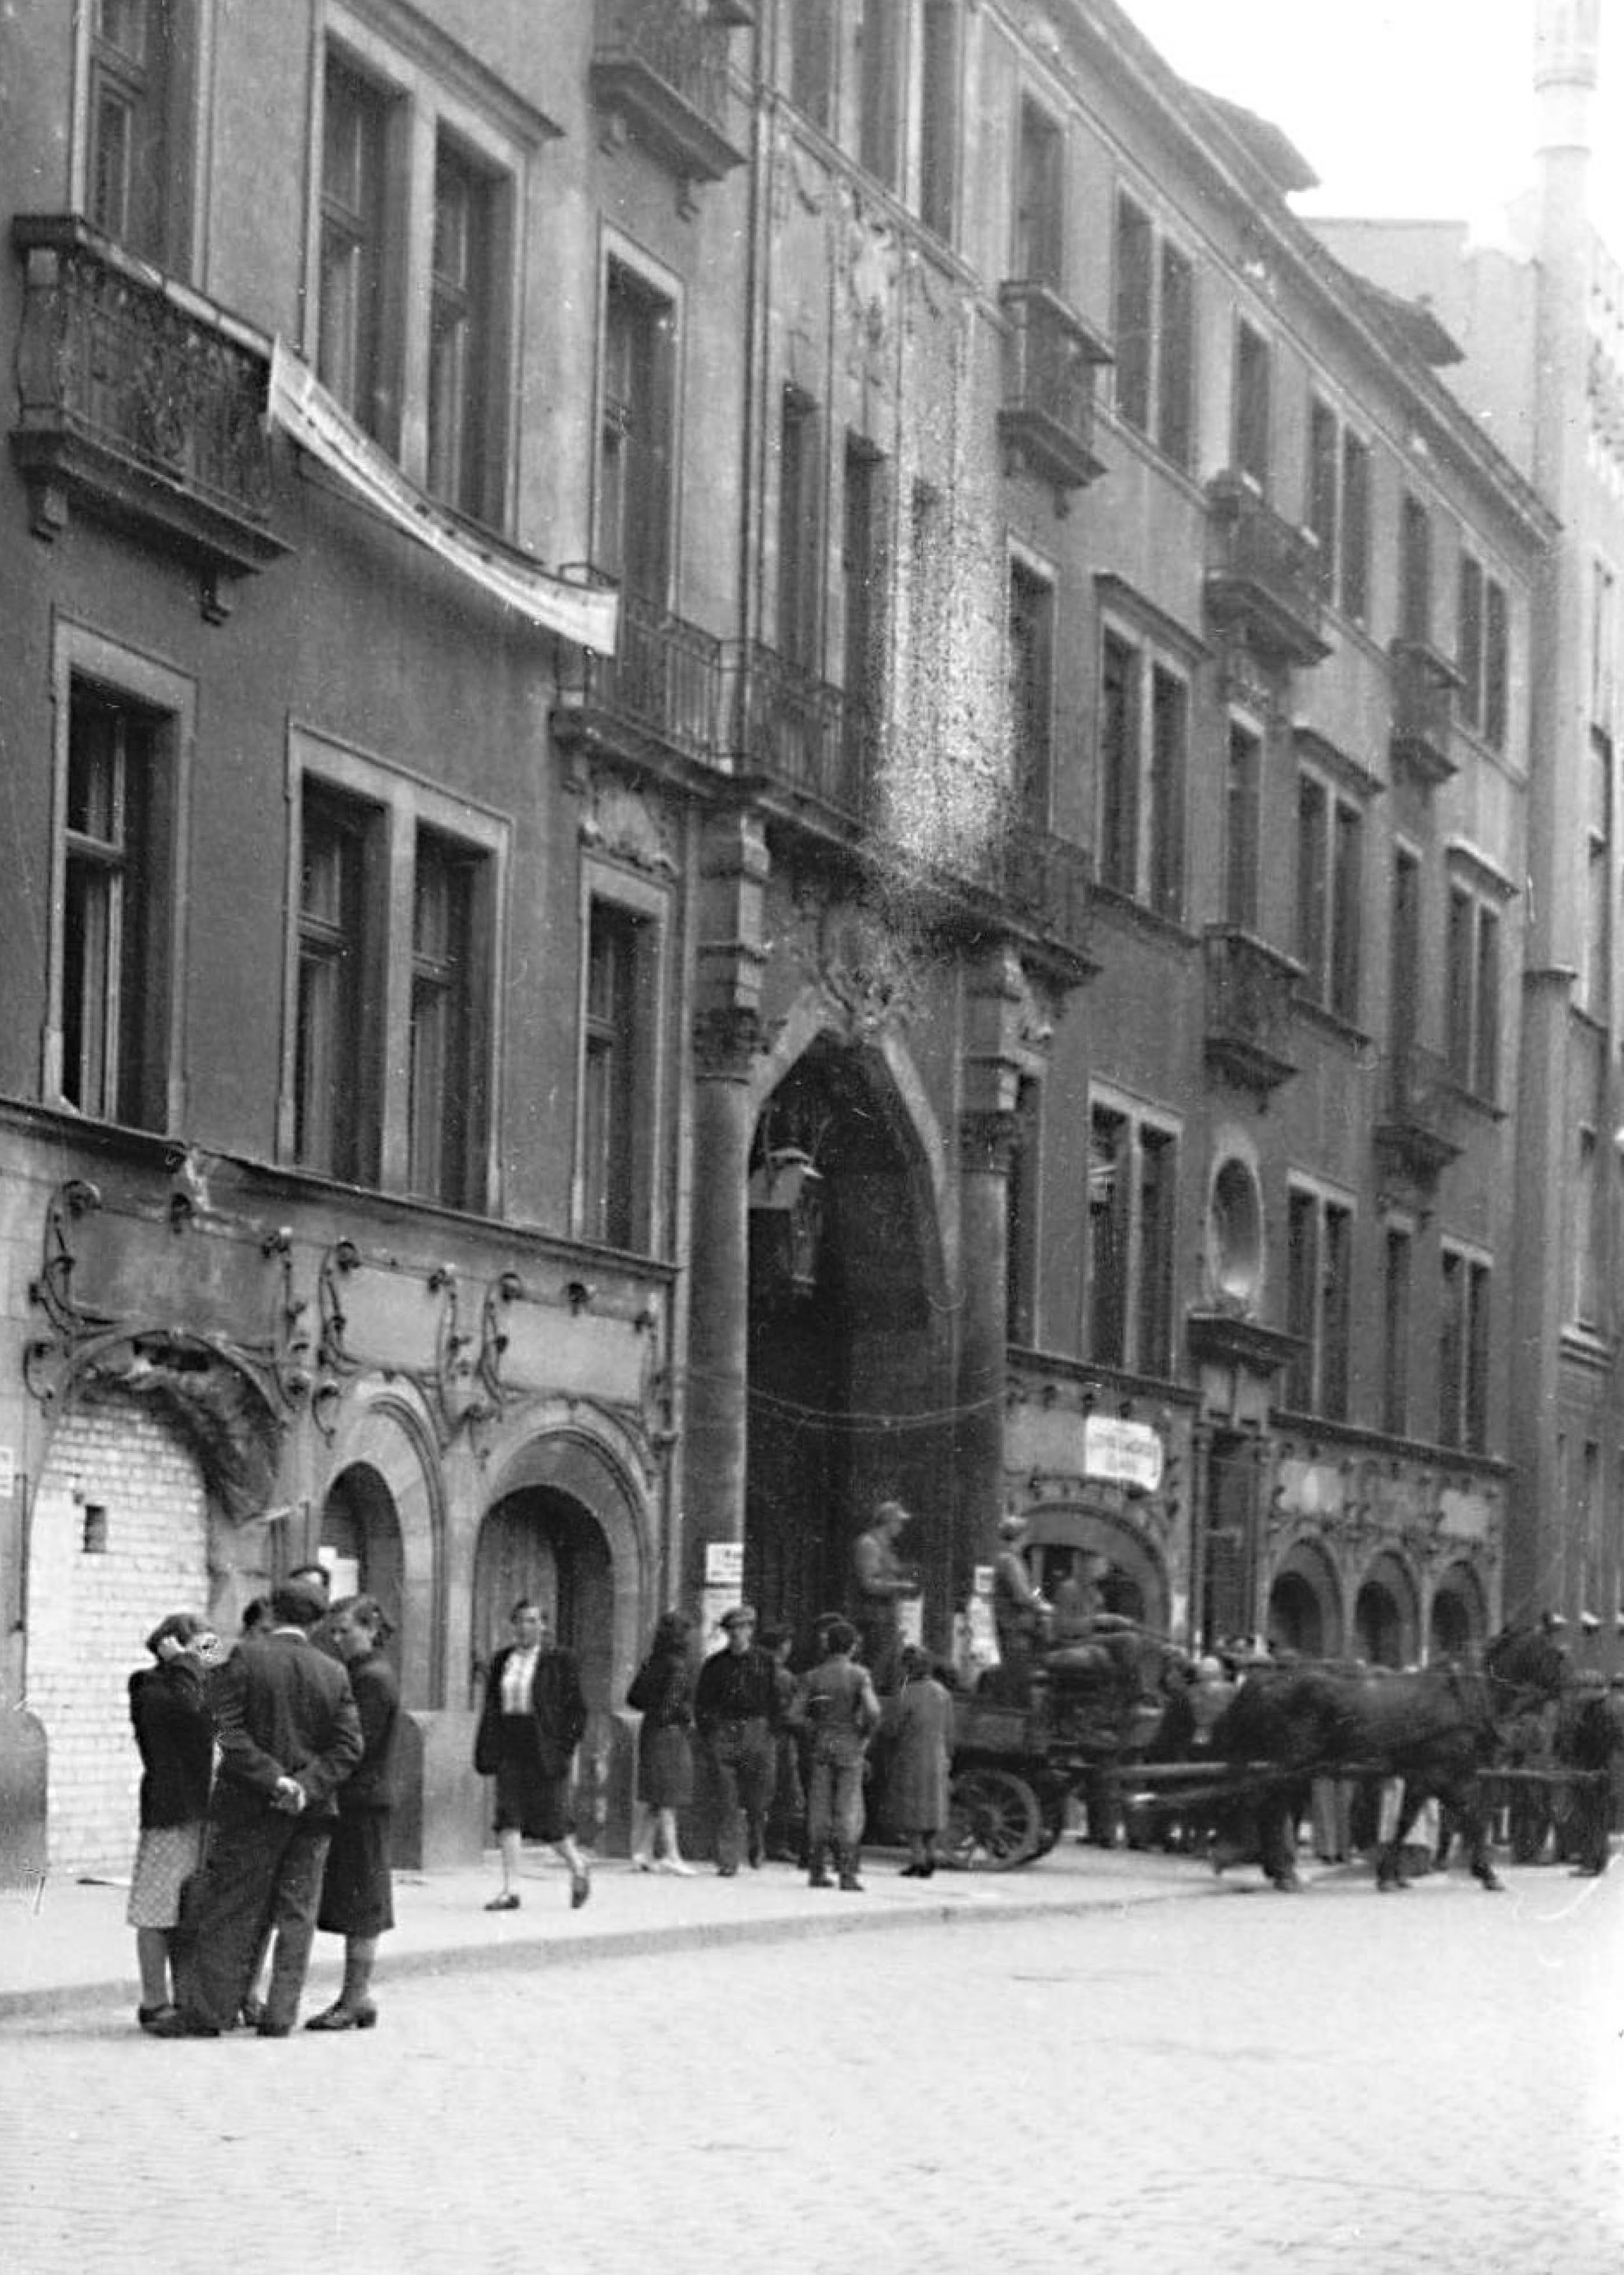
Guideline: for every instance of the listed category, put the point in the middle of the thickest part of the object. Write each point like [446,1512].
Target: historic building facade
[740,780]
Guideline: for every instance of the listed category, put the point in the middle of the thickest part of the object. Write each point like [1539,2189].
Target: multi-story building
[739,780]
[1540,318]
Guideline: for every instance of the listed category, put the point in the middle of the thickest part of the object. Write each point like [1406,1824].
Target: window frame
[169,700]
[405,803]
[1333,959]
[1463,1386]
[1252,421]
[1320,1313]
[1037,233]
[1165,417]
[1165,658]
[171,237]
[434,99]
[632,280]
[1030,620]
[644,905]
[1145,1281]
[1476,969]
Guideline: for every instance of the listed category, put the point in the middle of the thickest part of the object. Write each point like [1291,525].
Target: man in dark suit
[289,1735]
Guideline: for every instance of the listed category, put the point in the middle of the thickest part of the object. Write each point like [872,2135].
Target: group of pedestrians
[265,1804]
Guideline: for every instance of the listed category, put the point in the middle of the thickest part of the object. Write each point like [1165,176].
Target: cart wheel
[994,1822]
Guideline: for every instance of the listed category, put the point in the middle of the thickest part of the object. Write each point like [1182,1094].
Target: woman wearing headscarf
[174,1734]
[357,1892]
[662,1693]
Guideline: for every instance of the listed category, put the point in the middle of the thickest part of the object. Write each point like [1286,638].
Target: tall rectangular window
[1463,1350]
[880,35]
[1031,689]
[860,578]
[354,351]
[1251,408]
[1596,978]
[1495,665]
[1469,641]
[1145,726]
[811,59]
[637,449]
[800,526]
[940,103]
[1323,491]
[1416,574]
[138,118]
[1319,1304]
[617,1043]
[1355,549]
[335,1130]
[1586,1223]
[114,1017]
[461,369]
[1021,1253]
[1176,351]
[1395,1333]
[1604,645]
[1110,1201]
[1302,1296]
[1132,1215]
[1472,963]
[1336,1313]
[1244,821]
[1039,202]
[1131,334]
[1313,896]
[1404,953]
[446,1108]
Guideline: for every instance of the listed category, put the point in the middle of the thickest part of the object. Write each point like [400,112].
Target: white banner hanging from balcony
[300,403]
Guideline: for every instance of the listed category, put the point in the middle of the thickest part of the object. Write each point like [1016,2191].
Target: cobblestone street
[1216,2085]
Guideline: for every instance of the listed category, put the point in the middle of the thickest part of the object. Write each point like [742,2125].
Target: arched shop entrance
[1133,1582]
[1305,1607]
[361,1544]
[1386,1627]
[1459,1617]
[847,1336]
[542,1544]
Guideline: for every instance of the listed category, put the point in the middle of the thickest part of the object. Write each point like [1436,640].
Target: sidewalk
[66,1945]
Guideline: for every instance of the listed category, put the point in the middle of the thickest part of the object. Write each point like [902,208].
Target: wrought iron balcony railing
[1041,882]
[1251,987]
[1263,576]
[660,694]
[1419,1124]
[1047,413]
[799,736]
[1424,689]
[141,401]
[661,70]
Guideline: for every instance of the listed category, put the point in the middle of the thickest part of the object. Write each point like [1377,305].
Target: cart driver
[1020,1614]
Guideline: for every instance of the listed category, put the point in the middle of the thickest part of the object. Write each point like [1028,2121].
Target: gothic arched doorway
[847,1354]
[1459,1616]
[361,1546]
[1385,1623]
[1303,1615]
[540,1544]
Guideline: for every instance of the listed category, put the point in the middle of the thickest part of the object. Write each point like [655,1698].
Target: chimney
[1566,48]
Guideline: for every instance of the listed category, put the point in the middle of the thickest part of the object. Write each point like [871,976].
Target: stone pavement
[66,1945]
[1235,2084]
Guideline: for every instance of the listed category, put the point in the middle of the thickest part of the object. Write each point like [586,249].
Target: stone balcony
[1046,414]
[1418,1129]
[1423,686]
[660,75]
[1263,577]
[809,745]
[142,402]
[1250,989]
[655,703]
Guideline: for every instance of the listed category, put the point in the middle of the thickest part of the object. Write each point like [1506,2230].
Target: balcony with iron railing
[659,72]
[655,703]
[1047,415]
[1420,1121]
[1039,884]
[1250,989]
[1423,686]
[1263,577]
[807,745]
[140,401]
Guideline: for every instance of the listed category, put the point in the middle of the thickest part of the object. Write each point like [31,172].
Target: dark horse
[1439,1731]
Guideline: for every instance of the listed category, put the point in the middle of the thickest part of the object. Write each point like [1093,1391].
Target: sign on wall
[1123,1453]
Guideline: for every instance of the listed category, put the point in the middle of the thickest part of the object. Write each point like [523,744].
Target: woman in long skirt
[356,1890]
[169,1710]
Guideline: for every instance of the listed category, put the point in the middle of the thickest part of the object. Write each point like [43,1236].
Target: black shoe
[726,1871]
[340,2017]
[268,2029]
[580,1888]
[755,1853]
[147,2016]
[506,1902]
[250,2014]
[180,2024]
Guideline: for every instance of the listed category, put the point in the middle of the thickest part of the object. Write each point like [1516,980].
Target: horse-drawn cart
[1018,1758]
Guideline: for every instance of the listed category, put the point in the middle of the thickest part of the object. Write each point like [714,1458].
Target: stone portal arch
[847,1339]
[1386,1613]
[1305,1605]
[1458,1617]
[1135,1581]
[384,1510]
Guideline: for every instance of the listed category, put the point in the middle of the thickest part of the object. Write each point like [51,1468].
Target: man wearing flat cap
[736,1708]
[289,1735]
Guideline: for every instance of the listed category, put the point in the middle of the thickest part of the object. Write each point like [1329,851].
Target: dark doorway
[846,1348]
[360,1544]
[1378,1627]
[542,1544]
[1226,1579]
[1296,1617]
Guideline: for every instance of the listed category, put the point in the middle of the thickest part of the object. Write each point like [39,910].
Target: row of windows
[389,905]
[1130,1263]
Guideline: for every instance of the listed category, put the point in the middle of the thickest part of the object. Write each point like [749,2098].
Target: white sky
[1419,110]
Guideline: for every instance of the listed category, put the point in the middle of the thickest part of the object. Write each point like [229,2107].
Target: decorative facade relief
[623,820]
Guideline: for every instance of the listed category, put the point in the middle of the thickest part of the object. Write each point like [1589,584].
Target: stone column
[986,1145]
[727,1040]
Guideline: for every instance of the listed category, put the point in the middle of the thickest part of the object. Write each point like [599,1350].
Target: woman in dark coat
[357,1893]
[169,1710]
[662,1692]
[918,1724]
[534,1718]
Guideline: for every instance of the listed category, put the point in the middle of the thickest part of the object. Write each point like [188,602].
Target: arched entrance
[1133,1583]
[1304,1614]
[846,1334]
[541,1544]
[1386,1627]
[1459,1616]
[361,1546]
